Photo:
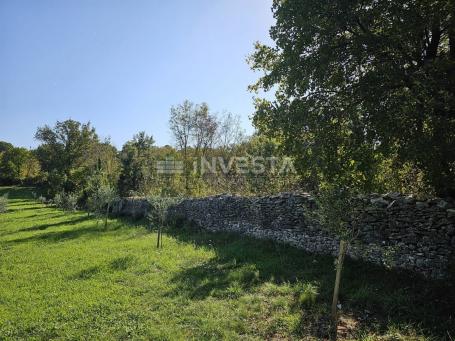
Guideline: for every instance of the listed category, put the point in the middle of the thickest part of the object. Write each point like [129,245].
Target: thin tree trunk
[158,237]
[336,290]
[161,238]
[107,215]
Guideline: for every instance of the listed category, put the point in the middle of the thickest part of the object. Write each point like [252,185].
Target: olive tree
[102,201]
[339,210]
[158,213]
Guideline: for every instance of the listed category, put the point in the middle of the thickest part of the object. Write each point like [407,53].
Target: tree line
[71,158]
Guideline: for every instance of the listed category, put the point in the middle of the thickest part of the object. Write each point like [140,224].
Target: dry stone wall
[397,231]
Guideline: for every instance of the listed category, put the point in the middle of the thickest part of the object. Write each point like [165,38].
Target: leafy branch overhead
[360,81]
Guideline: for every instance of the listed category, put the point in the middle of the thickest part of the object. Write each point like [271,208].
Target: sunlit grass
[63,275]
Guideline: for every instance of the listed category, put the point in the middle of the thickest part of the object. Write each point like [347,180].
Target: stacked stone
[396,231]
[132,207]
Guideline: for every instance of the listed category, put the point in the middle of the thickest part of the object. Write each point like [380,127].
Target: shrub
[65,201]
[308,295]
[59,200]
[4,203]
[71,202]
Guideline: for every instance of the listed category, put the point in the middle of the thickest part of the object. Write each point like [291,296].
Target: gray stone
[379,202]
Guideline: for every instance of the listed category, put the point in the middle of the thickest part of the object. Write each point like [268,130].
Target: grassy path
[63,276]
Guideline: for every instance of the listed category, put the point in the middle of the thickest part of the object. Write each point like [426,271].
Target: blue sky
[122,64]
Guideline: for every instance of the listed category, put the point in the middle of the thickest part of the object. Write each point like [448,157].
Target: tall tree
[63,152]
[14,164]
[204,128]
[229,132]
[137,159]
[355,80]
[181,123]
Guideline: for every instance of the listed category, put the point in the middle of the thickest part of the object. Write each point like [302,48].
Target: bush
[42,199]
[58,200]
[4,203]
[65,201]
[308,295]
[71,202]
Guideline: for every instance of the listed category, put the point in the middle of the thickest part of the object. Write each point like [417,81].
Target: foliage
[43,200]
[137,160]
[71,156]
[201,286]
[308,295]
[64,200]
[158,212]
[4,203]
[134,171]
[159,208]
[339,210]
[17,165]
[102,201]
[359,82]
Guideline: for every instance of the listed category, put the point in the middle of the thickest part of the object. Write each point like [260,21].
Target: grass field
[64,276]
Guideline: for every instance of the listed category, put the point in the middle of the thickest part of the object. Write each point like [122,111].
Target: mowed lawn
[65,276]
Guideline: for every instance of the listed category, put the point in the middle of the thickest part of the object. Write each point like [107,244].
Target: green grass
[63,276]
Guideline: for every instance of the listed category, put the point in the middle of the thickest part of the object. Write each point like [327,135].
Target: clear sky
[121,64]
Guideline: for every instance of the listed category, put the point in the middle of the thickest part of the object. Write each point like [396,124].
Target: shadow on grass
[16,192]
[376,297]
[60,236]
[60,223]
[92,231]
[86,273]
[12,209]
[122,263]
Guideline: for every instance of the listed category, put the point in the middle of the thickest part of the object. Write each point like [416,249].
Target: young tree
[158,213]
[102,201]
[339,210]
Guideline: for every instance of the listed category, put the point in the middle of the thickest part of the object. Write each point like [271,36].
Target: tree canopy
[357,81]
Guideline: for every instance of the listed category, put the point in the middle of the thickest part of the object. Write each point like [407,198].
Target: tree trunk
[158,237]
[336,290]
[107,215]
